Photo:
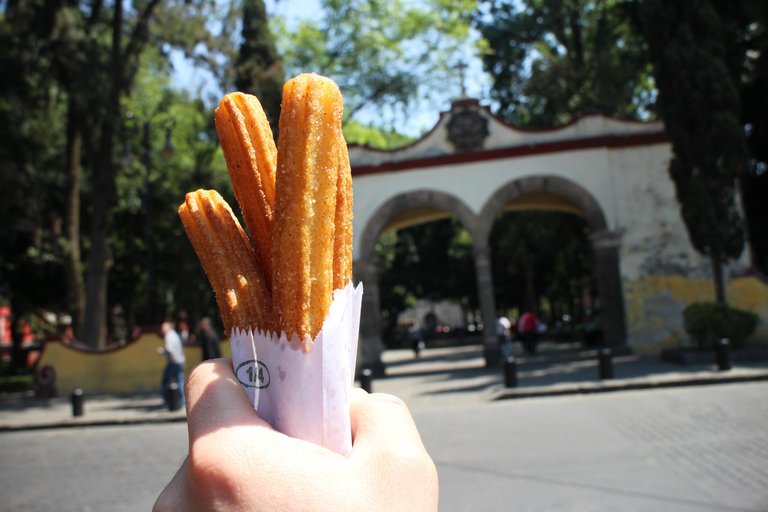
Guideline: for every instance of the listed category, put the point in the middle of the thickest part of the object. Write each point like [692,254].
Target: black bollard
[365,379]
[723,354]
[173,395]
[606,363]
[77,402]
[510,372]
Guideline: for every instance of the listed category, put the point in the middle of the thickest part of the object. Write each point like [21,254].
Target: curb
[92,423]
[607,386]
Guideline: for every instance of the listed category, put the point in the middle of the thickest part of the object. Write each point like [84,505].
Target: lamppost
[167,123]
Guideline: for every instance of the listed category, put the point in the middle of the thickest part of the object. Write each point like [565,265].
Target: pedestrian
[528,326]
[209,340]
[184,327]
[503,327]
[173,350]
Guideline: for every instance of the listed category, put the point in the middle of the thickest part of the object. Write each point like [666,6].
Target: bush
[706,322]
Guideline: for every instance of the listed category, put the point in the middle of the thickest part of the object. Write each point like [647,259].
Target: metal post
[604,357]
[77,402]
[173,394]
[365,379]
[510,372]
[723,354]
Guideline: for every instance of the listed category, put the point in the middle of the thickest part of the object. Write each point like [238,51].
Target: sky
[421,117]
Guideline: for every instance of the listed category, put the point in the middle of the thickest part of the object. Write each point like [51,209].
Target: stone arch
[605,243]
[556,185]
[407,201]
[366,268]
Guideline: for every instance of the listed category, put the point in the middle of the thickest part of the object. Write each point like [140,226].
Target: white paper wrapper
[306,395]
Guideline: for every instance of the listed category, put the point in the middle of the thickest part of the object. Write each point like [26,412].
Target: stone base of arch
[370,344]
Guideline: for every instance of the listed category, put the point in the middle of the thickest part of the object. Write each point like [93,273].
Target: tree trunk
[717,277]
[95,323]
[74,275]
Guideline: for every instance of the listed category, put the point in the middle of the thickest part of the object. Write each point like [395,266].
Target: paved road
[683,449]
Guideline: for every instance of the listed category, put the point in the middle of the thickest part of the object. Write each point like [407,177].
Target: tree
[383,54]
[699,103]
[430,261]
[542,257]
[87,55]
[552,60]
[258,67]
[745,38]
[358,133]
[32,186]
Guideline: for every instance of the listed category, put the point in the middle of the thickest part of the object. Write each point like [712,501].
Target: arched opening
[559,223]
[395,271]
[427,285]
[543,263]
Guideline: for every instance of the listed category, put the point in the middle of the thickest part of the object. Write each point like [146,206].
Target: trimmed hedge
[706,322]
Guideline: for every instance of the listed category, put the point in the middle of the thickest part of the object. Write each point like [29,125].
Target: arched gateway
[473,166]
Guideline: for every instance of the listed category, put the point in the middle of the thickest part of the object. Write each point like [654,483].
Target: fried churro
[305,204]
[250,152]
[228,260]
[297,206]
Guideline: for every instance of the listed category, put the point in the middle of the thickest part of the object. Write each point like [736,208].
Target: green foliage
[383,54]
[552,60]
[706,322]
[429,261]
[258,67]
[358,133]
[62,82]
[540,255]
[31,158]
[196,162]
[699,103]
[745,37]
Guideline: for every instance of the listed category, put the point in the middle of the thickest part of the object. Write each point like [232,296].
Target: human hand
[238,463]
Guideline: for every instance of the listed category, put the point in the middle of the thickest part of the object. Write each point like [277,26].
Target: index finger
[215,400]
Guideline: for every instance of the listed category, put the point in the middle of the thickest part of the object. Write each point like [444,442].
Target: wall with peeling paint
[620,166]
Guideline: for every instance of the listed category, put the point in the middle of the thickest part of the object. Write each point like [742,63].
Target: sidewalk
[441,378]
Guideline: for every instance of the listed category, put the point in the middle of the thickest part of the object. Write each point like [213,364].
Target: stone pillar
[482,256]
[605,245]
[370,343]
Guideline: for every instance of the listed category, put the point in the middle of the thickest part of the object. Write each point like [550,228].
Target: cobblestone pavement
[693,449]
[687,449]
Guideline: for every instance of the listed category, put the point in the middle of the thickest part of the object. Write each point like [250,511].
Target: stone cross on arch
[462,66]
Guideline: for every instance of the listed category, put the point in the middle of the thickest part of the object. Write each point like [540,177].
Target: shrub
[706,322]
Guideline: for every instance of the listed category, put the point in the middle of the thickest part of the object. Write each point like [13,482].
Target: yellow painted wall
[654,307]
[135,368]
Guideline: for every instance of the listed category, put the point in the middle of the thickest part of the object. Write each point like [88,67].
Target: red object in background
[5,324]
[26,333]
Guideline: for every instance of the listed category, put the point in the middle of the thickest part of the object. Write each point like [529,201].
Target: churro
[305,204]
[297,206]
[250,152]
[229,261]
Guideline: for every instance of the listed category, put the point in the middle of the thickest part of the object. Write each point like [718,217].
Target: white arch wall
[474,183]
[631,185]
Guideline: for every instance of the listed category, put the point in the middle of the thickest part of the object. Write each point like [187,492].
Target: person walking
[173,350]
[209,340]
[503,327]
[528,326]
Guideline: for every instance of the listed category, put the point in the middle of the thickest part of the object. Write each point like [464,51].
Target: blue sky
[421,118]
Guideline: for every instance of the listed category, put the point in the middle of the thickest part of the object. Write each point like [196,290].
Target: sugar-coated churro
[305,204]
[229,261]
[297,206]
[250,152]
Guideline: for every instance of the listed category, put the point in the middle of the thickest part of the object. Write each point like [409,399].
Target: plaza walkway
[440,378]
